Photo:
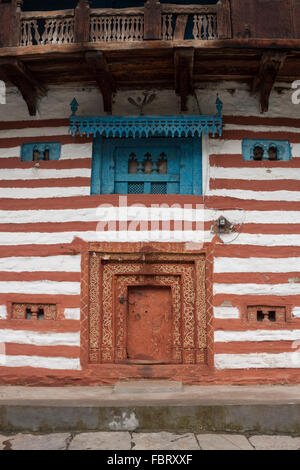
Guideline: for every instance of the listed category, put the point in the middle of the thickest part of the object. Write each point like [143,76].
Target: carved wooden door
[149,328]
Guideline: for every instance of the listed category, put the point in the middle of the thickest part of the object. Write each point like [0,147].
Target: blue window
[272,150]
[147,166]
[40,151]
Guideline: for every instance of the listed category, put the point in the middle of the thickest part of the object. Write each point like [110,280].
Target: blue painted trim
[53,147]
[110,176]
[146,126]
[284,151]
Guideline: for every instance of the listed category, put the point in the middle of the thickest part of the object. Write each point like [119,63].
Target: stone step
[133,407]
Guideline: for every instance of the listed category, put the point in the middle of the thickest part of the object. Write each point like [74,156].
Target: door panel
[149,329]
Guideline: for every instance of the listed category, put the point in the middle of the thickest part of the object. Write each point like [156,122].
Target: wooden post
[152,20]
[10,22]
[82,21]
[224,19]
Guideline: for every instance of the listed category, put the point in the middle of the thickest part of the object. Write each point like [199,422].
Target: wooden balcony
[157,46]
[164,22]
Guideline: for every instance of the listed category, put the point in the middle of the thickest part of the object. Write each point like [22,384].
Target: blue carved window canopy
[146,126]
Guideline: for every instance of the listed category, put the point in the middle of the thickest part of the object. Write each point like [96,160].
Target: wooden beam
[18,74]
[97,64]
[184,67]
[270,65]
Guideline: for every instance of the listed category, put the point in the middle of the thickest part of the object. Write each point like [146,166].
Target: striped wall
[43,209]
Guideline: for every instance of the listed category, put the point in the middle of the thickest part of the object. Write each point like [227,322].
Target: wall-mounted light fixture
[222,226]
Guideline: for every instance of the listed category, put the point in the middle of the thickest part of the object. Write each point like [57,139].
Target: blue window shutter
[183,157]
[108,168]
[97,166]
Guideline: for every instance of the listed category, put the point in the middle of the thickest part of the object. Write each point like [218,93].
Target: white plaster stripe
[42,193]
[34,132]
[287,360]
[245,173]
[257,289]
[223,147]
[3,312]
[111,213]
[77,150]
[72,313]
[256,265]
[256,335]
[39,339]
[11,152]
[296,312]
[63,263]
[37,238]
[195,236]
[40,287]
[104,213]
[43,173]
[226,312]
[262,128]
[257,195]
[61,363]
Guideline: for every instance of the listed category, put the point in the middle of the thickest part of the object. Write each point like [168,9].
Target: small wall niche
[40,151]
[266,150]
[267,315]
[22,311]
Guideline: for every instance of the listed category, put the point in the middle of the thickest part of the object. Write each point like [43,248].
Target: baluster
[123,30]
[119,28]
[113,29]
[107,29]
[205,27]
[214,26]
[45,34]
[36,34]
[164,28]
[103,29]
[209,29]
[53,32]
[141,28]
[60,25]
[131,29]
[170,28]
[195,29]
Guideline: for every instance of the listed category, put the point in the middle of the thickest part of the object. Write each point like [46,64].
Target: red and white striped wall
[43,209]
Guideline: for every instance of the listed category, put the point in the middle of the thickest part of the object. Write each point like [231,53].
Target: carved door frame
[102,331]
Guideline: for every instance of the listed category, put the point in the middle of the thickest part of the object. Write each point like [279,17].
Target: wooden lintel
[270,65]
[99,68]
[18,74]
[184,67]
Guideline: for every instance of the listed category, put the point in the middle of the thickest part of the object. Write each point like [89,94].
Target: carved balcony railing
[189,22]
[56,27]
[168,22]
[115,26]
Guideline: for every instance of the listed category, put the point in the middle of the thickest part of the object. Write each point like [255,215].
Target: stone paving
[146,441]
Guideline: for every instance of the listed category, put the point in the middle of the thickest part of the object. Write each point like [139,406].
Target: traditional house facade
[150,191]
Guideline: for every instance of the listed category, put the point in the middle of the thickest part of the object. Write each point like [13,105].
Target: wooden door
[149,328]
